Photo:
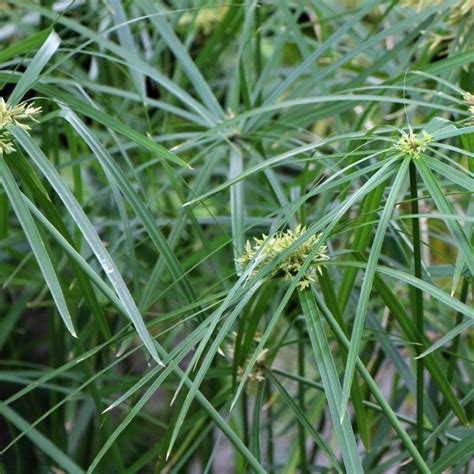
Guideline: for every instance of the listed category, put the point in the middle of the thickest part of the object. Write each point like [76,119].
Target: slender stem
[3,216]
[245,420]
[304,182]
[258,51]
[301,397]
[455,345]
[417,305]
[452,362]
[257,409]
[269,428]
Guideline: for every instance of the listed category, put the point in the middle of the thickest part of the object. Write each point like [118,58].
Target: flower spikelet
[462,11]
[14,115]
[257,374]
[265,250]
[420,5]
[206,18]
[6,145]
[469,99]
[412,144]
[460,15]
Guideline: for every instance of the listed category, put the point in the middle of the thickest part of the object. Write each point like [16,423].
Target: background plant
[139,331]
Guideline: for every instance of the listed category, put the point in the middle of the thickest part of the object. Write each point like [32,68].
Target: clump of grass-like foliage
[236,236]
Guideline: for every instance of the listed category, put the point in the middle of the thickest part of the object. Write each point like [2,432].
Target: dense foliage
[236,236]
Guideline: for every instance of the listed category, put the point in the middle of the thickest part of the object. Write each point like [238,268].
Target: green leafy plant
[236,237]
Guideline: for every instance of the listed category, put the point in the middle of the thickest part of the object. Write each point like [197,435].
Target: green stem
[3,216]
[258,52]
[377,394]
[269,428]
[257,409]
[332,301]
[452,361]
[245,421]
[417,305]
[304,182]
[301,397]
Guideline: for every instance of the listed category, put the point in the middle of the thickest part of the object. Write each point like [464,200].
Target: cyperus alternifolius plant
[265,250]
[176,131]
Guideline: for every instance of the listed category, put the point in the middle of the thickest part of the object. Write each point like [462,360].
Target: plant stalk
[301,396]
[417,307]
[452,361]
[270,457]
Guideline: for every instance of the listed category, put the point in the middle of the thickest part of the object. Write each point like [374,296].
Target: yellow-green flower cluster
[412,144]
[14,115]
[469,99]
[206,18]
[460,10]
[265,250]
[6,145]
[464,9]
[461,13]
[420,4]
[257,374]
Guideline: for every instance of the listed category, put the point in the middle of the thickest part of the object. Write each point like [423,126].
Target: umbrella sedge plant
[236,236]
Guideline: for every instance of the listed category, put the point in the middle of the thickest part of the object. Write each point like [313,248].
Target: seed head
[257,374]
[413,145]
[463,10]
[469,99]
[205,19]
[6,145]
[420,5]
[460,14]
[14,115]
[265,250]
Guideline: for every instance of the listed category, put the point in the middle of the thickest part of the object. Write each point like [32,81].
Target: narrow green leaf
[210,354]
[31,75]
[446,208]
[36,243]
[330,379]
[465,181]
[89,233]
[171,39]
[41,441]
[237,203]
[301,417]
[127,42]
[373,387]
[460,453]
[25,45]
[141,210]
[363,302]
[449,336]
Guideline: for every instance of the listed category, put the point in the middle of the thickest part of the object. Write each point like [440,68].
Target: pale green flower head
[6,145]
[263,362]
[460,14]
[412,144]
[459,11]
[206,18]
[469,99]
[14,115]
[420,5]
[265,250]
